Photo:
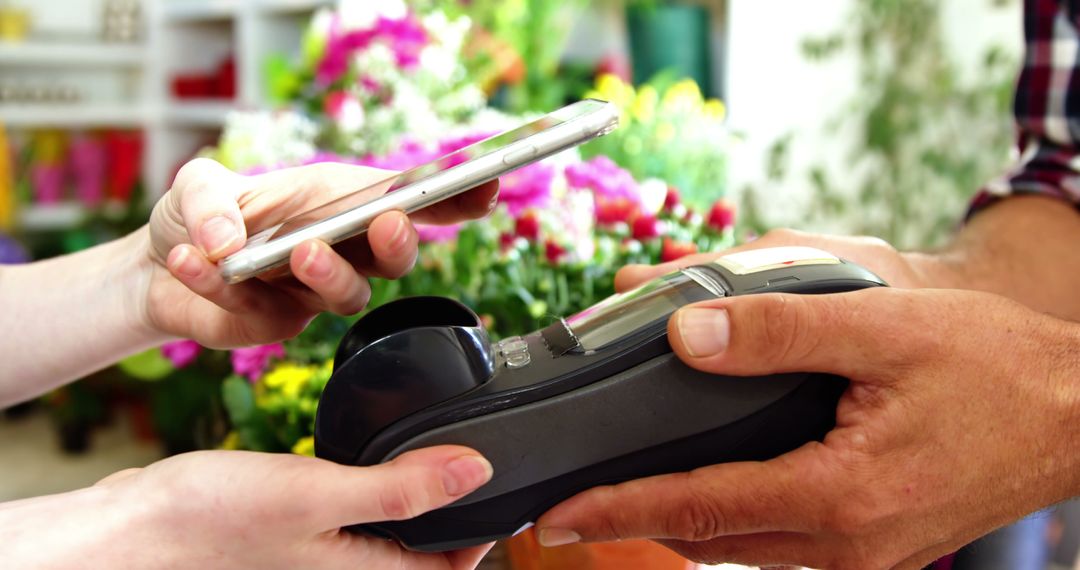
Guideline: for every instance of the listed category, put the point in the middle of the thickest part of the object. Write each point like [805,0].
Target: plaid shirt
[1047,107]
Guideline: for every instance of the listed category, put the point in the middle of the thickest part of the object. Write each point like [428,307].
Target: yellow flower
[231,441]
[614,90]
[645,104]
[289,378]
[682,97]
[715,109]
[306,446]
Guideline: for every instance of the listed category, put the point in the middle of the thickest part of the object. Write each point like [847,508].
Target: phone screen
[414,175]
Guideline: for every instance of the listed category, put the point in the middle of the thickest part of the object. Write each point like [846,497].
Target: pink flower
[405,37]
[251,362]
[181,353]
[409,154]
[528,187]
[615,190]
[438,234]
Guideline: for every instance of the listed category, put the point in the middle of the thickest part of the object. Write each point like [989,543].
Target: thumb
[721,500]
[851,334]
[205,197]
[410,485]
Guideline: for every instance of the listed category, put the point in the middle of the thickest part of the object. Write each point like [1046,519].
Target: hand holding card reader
[593,399]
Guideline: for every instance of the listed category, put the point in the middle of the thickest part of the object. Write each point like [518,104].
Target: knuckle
[195,169]
[786,329]
[847,519]
[698,520]
[878,244]
[781,235]
[399,502]
[695,522]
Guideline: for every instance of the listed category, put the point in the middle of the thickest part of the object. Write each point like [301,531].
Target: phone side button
[519,156]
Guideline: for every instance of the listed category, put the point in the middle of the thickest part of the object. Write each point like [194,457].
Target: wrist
[134,269]
[85,528]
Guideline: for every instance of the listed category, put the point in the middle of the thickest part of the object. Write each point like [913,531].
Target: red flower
[528,227]
[614,210]
[722,215]
[645,227]
[506,240]
[553,251]
[672,199]
[673,250]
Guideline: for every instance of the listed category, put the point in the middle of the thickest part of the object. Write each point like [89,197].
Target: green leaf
[149,365]
[239,399]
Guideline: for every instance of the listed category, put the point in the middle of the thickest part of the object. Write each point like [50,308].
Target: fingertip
[482,201]
[341,289]
[220,236]
[466,473]
[186,263]
[311,262]
[392,234]
[394,243]
[631,276]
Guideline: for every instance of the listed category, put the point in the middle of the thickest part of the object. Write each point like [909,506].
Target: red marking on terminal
[788,262]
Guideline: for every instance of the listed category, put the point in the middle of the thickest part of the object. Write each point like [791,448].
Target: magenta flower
[604,177]
[615,190]
[409,154]
[438,234]
[405,37]
[251,362]
[528,187]
[181,353]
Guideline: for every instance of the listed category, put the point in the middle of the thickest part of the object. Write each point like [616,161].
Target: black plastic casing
[420,372]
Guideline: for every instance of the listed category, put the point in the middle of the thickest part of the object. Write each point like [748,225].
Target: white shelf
[200,10]
[293,6]
[73,115]
[71,54]
[44,217]
[199,112]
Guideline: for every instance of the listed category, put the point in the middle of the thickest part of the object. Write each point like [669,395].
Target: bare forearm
[70,316]
[1025,248]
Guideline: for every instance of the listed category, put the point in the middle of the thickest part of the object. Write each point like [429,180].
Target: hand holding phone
[423,186]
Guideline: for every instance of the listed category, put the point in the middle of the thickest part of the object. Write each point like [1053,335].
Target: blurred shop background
[849,116]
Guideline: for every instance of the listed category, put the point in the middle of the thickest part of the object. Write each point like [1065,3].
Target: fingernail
[401,234]
[317,263]
[217,234]
[184,264]
[494,202]
[704,332]
[465,474]
[550,537]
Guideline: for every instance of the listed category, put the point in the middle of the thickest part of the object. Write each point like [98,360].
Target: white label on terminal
[757,260]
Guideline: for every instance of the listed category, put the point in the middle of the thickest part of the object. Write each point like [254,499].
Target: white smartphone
[420,187]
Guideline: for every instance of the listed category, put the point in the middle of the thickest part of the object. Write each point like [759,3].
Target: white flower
[263,138]
[351,115]
[362,14]
[653,192]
